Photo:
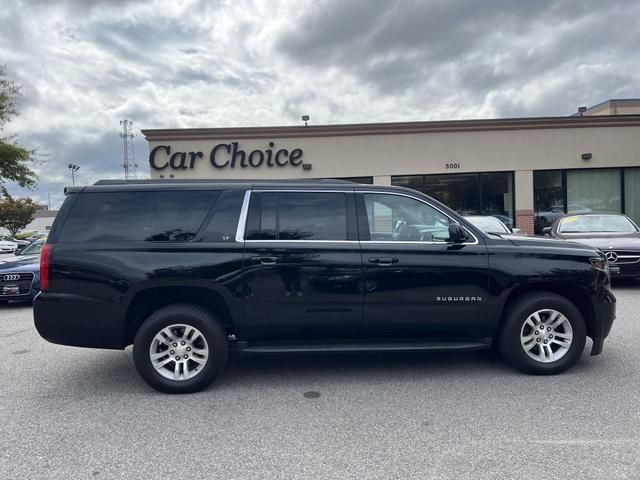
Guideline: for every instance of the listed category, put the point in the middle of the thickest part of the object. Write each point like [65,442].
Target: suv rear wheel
[543,333]
[180,349]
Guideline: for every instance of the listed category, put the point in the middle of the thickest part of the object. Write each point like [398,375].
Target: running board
[290,347]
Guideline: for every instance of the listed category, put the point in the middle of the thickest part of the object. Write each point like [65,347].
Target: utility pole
[128,152]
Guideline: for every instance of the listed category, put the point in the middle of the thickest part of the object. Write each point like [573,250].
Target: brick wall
[524,221]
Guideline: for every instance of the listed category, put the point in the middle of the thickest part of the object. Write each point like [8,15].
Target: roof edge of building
[391,128]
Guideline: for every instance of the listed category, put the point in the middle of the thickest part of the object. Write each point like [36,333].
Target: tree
[15,214]
[15,160]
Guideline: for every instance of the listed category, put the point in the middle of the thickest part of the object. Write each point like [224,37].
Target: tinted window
[137,216]
[403,219]
[297,216]
[312,216]
[261,219]
[224,222]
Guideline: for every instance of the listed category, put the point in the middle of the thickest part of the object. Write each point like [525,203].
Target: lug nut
[188,349]
[175,344]
[186,356]
[537,339]
[537,332]
[550,335]
[545,342]
[549,329]
[182,342]
[172,352]
[177,357]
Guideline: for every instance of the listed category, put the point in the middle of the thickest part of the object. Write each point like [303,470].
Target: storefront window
[548,196]
[459,191]
[497,196]
[595,190]
[409,181]
[467,193]
[365,180]
[632,193]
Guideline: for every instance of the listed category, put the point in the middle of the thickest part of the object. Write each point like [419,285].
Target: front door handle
[265,260]
[383,261]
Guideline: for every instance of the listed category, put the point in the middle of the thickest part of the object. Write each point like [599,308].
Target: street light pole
[74,168]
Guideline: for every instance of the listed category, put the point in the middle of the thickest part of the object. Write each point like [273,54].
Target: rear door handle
[383,261]
[265,260]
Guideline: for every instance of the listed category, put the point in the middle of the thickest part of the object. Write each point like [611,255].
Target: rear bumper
[78,321]
[604,308]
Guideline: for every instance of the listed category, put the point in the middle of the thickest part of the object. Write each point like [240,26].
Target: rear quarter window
[158,216]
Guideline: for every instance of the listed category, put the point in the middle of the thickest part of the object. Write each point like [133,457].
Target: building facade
[526,170]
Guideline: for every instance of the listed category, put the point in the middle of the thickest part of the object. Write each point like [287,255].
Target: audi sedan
[20,276]
[613,233]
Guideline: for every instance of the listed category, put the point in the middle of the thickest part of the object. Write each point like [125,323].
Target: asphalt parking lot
[75,413]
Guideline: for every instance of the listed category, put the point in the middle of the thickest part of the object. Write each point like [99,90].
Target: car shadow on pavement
[16,305]
[113,373]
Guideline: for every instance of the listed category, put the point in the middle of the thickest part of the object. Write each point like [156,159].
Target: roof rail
[153,181]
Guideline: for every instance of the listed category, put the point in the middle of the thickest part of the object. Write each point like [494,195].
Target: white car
[7,247]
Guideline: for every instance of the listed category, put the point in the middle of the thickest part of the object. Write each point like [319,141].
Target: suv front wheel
[180,349]
[543,333]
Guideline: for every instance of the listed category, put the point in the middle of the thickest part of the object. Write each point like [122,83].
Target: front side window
[297,216]
[403,219]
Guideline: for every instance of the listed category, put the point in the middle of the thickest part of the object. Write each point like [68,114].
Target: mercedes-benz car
[615,234]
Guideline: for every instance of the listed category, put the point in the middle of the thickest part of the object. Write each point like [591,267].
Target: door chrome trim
[303,241]
[242,221]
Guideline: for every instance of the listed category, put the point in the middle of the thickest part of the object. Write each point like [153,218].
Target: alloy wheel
[179,352]
[546,336]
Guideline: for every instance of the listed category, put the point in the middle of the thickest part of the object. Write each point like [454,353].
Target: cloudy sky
[87,64]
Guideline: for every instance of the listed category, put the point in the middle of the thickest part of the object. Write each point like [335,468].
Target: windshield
[489,224]
[32,249]
[597,224]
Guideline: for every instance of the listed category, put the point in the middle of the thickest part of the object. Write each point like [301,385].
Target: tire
[519,342]
[206,353]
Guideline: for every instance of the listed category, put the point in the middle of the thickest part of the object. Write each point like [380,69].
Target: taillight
[45,266]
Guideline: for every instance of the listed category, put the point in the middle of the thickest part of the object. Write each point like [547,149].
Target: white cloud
[87,65]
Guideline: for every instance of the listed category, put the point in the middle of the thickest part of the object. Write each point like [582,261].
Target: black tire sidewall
[197,317]
[511,347]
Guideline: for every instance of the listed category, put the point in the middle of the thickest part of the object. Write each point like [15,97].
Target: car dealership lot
[75,413]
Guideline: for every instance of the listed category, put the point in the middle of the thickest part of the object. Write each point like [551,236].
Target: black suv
[185,269]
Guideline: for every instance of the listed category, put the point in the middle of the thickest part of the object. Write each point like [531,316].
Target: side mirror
[516,230]
[457,234]
[546,231]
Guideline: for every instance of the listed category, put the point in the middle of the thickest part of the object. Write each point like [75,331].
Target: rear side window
[297,216]
[223,223]
[137,216]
